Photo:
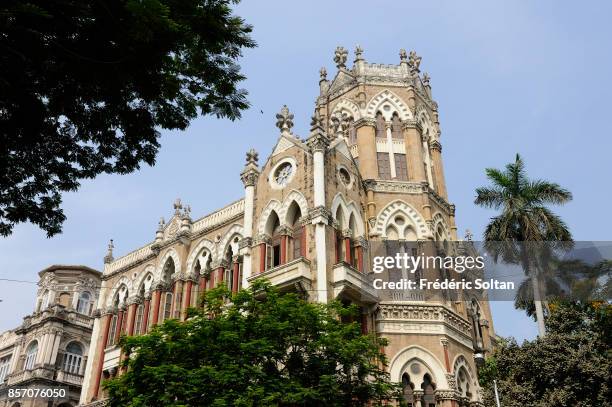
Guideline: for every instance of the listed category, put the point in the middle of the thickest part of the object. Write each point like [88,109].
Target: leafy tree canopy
[262,349]
[569,367]
[85,86]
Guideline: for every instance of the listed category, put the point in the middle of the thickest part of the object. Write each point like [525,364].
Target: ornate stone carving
[109,253]
[435,145]
[340,56]
[414,61]
[402,187]
[403,55]
[284,120]
[320,214]
[426,79]
[358,53]
[323,73]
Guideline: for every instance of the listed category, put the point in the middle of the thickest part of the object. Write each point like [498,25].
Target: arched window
[381,130]
[352,131]
[167,306]
[73,358]
[408,390]
[139,319]
[463,383]
[429,399]
[273,250]
[112,331]
[396,127]
[84,303]
[5,364]
[44,301]
[31,353]
[297,238]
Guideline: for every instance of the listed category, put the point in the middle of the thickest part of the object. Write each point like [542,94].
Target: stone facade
[50,348]
[369,171]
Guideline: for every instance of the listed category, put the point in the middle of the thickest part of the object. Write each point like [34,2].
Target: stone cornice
[389,186]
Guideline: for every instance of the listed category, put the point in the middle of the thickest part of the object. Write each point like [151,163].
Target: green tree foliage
[524,217]
[86,85]
[569,367]
[262,349]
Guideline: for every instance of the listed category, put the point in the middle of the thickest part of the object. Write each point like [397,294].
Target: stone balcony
[39,372]
[349,282]
[70,378]
[291,275]
[58,312]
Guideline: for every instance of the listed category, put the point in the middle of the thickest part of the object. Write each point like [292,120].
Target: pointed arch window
[167,306]
[112,331]
[139,319]
[381,131]
[429,399]
[396,127]
[408,390]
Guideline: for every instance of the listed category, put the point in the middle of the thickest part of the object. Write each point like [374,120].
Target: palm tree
[524,217]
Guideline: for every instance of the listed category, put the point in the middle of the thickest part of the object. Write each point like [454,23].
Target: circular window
[415,368]
[283,173]
[399,220]
[345,177]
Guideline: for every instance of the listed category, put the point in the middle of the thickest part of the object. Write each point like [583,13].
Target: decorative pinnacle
[358,53]
[403,55]
[426,79]
[468,235]
[414,60]
[178,205]
[316,121]
[284,120]
[109,253]
[340,56]
[161,224]
[323,73]
[252,157]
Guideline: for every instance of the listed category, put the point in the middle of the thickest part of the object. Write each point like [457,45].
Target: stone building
[49,349]
[370,171]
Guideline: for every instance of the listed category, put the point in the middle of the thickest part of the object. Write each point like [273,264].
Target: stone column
[131,315]
[186,298]
[283,249]
[414,152]
[347,247]
[145,314]
[99,356]
[236,273]
[453,225]
[156,302]
[366,146]
[318,143]
[444,343]
[119,324]
[435,149]
[220,272]
[249,177]
[262,257]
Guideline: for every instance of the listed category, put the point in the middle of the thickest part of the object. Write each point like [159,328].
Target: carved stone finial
[426,79]
[109,253]
[187,211]
[252,157]
[284,120]
[340,56]
[178,205]
[358,53]
[340,124]
[316,121]
[161,224]
[323,73]
[468,235]
[403,55]
[414,61]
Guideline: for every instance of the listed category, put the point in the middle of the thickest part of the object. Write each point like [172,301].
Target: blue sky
[515,76]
